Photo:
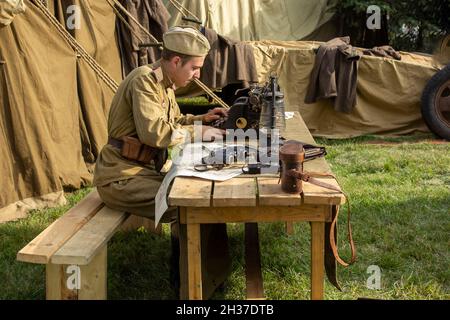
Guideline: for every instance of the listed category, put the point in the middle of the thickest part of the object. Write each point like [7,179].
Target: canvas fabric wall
[258,19]
[388,91]
[53,106]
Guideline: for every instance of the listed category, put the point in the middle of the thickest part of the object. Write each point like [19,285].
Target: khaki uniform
[144,105]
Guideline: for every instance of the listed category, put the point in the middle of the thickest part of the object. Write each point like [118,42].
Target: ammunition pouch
[133,149]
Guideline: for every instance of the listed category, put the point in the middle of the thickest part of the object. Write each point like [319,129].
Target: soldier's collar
[161,75]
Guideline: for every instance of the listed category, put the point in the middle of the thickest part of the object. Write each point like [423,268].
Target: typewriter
[258,107]
[255,108]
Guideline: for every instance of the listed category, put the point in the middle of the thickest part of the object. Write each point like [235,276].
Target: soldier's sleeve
[152,125]
[183,119]
[187,121]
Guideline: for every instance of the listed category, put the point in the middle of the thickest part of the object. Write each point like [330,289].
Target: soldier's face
[190,70]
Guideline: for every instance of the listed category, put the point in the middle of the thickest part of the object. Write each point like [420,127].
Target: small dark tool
[206,167]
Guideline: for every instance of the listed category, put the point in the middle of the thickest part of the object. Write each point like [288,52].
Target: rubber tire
[429,113]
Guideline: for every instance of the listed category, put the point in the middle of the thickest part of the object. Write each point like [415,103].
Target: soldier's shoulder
[146,74]
[154,73]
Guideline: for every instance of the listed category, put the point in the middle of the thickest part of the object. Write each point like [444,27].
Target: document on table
[183,165]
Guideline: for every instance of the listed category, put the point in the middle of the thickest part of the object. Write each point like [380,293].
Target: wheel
[436,103]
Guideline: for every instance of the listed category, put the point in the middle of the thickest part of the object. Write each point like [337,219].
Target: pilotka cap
[186,40]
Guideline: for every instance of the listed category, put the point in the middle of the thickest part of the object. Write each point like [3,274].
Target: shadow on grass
[404,239]
[407,239]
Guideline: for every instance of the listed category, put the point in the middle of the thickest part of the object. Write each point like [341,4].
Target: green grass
[400,196]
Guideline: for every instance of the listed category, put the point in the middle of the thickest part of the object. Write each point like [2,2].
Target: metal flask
[272,113]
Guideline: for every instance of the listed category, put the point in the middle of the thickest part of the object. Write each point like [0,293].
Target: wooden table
[251,200]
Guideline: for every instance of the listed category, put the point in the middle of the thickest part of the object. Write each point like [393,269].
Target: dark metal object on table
[230,154]
[256,108]
[206,167]
[256,168]
[272,113]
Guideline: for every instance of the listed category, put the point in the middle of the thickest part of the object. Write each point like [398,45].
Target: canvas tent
[251,20]
[52,105]
[388,91]
[54,102]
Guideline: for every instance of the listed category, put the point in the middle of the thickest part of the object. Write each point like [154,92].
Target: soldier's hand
[211,134]
[214,114]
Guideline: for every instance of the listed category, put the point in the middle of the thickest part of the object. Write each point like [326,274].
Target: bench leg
[71,282]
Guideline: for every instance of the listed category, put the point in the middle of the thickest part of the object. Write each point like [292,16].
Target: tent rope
[119,15]
[183,10]
[129,15]
[98,69]
[204,87]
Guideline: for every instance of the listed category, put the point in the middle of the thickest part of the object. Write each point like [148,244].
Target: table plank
[235,192]
[305,212]
[270,194]
[318,195]
[317,165]
[190,192]
[296,129]
[91,238]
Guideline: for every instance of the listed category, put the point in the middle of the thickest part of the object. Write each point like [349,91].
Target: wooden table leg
[194,261]
[317,259]
[253,274]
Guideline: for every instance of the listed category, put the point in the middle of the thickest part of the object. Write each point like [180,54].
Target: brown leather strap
[307,177]
[134,150]
[115,142]
[350,237]
[329,258]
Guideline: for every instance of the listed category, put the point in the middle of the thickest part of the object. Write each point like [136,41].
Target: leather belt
[115,143]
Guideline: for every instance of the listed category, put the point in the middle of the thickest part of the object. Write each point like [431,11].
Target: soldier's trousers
[136,195]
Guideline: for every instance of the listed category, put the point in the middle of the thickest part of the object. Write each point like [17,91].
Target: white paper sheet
[288,115]
[183,165]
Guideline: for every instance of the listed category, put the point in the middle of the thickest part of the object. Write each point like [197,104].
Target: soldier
[144,120]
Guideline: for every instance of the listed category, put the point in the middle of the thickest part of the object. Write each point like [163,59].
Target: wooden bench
[74,249]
